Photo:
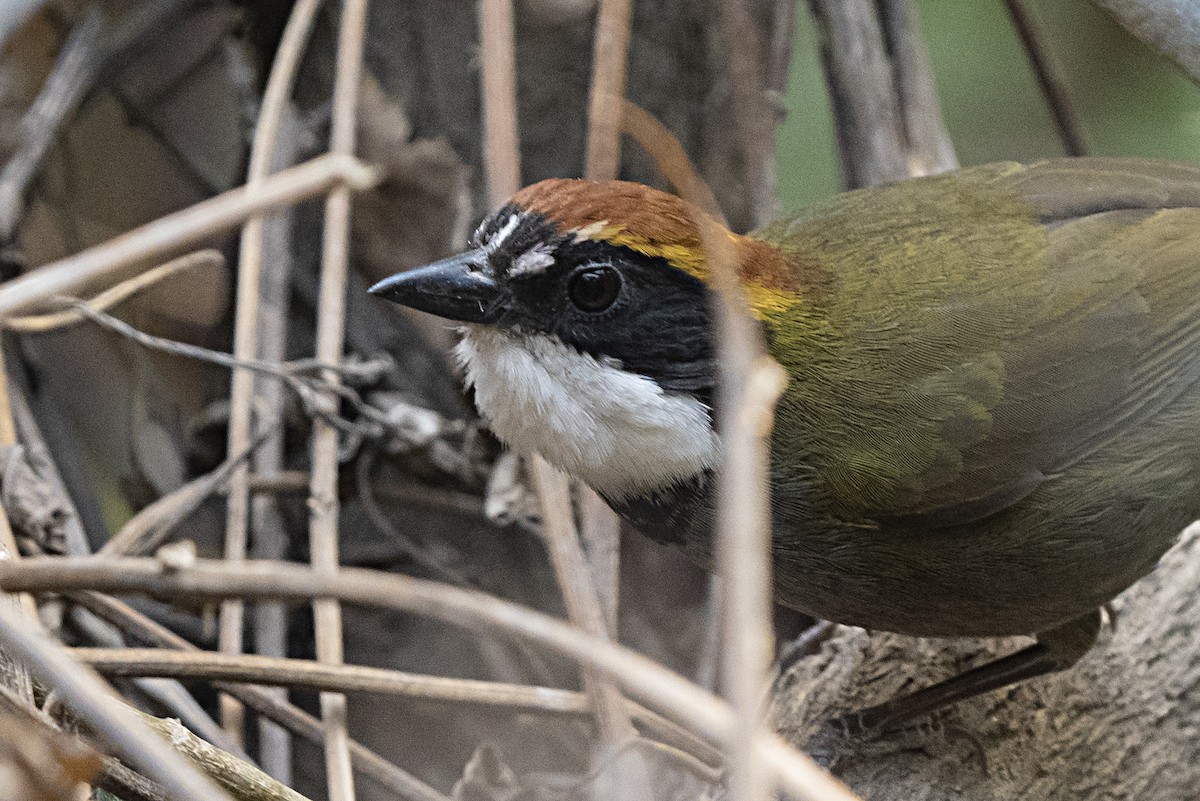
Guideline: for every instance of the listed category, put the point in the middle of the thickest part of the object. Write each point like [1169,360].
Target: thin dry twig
[245,339]
[309,389]
[753,119]
[14,675]
[60,95]
[173,697]
[71,275]
[498,78]
[502,159]
[750,383]
[150,527]
[264,670]
[668,155]
[609,56]
[93,701]
[170,694]
[271,538]
[1049,77]
[655,686]
[600,527]
[387,775]
[600,534]
[243,780]
[579,593]
[114,296]
[331,323]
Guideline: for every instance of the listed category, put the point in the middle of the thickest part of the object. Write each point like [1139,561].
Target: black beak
[455,288]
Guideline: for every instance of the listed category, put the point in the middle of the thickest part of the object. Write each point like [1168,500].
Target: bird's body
[992,423]
[992,419]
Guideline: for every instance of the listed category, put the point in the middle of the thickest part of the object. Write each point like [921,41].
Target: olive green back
[960,338]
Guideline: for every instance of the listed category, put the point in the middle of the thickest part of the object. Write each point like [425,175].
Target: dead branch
[114,296]
[71,275]
[170,694]
[1170,26]
[112,775]
[579,593]
[113,722]
[657,687]
[885,113]
[247,346]
[274,671]
[391,778]
[13,674]
[750,383]
[243,781]
[928,145]
[331,324]
[753,118]
[502,157]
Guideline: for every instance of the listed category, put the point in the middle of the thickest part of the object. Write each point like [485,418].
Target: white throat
[617,431]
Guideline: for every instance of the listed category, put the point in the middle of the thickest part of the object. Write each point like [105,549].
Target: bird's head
[587,331]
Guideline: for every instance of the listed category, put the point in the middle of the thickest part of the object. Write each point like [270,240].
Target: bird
[991,424]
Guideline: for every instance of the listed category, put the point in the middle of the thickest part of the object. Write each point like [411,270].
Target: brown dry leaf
[487,778]
[420,212]
[35,507]
[34,767]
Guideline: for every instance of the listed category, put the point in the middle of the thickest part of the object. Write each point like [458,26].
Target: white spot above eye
[494,242]
[616,430]
[532,261]
[588,231]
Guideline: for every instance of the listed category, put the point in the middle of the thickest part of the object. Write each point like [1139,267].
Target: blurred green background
[1131,101]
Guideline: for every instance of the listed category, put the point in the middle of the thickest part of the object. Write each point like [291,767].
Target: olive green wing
[977,332]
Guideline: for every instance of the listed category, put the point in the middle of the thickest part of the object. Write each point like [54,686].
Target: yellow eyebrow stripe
[764,301]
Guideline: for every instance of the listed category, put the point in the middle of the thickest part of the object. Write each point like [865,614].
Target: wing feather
[1045,310]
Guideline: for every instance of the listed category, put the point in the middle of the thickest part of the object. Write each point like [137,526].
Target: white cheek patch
[617,431]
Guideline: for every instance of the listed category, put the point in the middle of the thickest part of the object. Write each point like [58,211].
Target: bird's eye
[594,288]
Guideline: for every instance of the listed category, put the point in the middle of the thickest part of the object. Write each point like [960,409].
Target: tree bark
[1170,26]
[1121,724]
